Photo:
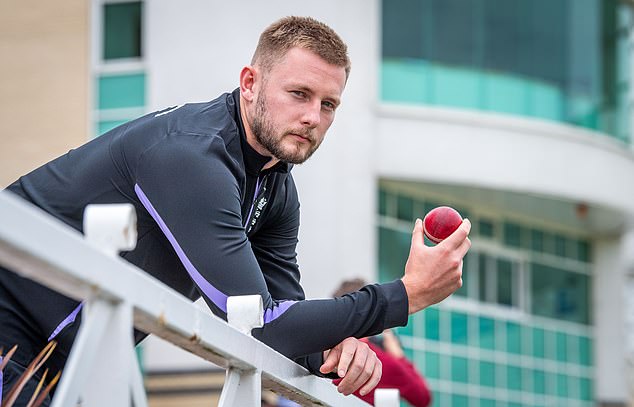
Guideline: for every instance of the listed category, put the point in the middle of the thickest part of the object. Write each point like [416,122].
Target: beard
[267,135]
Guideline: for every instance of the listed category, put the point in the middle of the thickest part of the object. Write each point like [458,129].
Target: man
[218,213]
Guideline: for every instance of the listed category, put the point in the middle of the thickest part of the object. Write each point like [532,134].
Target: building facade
[44,85]
[518,114]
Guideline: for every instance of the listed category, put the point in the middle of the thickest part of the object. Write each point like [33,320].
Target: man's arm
[274,246]
[188,185]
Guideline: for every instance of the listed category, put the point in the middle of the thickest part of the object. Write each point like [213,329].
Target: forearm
[316,325]
[219,258]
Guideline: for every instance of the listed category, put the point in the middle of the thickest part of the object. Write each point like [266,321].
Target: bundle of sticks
[41,391]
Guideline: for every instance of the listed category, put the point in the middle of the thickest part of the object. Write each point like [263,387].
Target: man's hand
[434,273]
[356,363]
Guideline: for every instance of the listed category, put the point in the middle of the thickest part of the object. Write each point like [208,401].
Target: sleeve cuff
[397,303]
[313,362]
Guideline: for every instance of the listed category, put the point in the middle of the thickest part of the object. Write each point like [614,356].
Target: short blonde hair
[303,32]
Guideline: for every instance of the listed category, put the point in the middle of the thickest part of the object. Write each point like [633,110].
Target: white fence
[102,368]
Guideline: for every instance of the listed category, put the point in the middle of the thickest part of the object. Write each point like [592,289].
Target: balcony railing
[102,369]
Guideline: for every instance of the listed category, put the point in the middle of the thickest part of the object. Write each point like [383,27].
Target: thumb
[417,233]
[330,362]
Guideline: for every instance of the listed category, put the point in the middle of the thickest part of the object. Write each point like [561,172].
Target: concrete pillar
[627,250]
[609,316]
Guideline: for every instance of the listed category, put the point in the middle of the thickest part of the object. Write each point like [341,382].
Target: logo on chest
[258,208]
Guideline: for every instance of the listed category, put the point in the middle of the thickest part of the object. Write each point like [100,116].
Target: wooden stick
[7,357]
[37,389]
[47,390]
[29,372]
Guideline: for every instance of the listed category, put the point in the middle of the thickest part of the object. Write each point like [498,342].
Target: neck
[252,140]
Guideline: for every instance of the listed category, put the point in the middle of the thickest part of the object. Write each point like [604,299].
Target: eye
[329,106]
[299,93]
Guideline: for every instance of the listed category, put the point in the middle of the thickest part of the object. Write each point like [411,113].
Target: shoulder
[193,130]
[214,118]
[194,154]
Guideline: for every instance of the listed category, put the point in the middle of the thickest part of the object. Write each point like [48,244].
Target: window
[486,228]
[120,78]
[119,91]
[553,59]
[499,340]
[498,280]
[540,271]
[122,30]
[559,293]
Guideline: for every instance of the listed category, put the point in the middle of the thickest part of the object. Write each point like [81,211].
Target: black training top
[211,222]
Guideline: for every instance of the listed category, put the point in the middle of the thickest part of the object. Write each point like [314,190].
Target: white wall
[506,153]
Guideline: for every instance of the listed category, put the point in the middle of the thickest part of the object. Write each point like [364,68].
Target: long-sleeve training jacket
[211,223]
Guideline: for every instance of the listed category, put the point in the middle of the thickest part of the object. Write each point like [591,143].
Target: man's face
[295,105]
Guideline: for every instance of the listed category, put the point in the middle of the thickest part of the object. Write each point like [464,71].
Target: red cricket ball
[441,222]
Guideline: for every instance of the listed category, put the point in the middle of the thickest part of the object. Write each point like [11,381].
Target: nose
[312,115]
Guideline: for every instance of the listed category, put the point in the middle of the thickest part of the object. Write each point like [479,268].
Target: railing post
[386,398]
[243,387]
[110,228]
[101,366]
[117,293]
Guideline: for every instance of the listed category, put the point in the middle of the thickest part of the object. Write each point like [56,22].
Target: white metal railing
[102,368]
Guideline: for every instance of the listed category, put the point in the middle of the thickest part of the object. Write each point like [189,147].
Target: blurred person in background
[398,372]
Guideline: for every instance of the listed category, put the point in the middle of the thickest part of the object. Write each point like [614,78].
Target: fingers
[356,363]
[434,273]
[464,247]
[360,371]
[374,379]
[348,353]
[339,357]
[357,373]
[457,238]
[331,357]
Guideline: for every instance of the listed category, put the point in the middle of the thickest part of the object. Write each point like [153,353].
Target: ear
[248,77]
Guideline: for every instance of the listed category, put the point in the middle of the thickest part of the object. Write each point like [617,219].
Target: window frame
[101,67]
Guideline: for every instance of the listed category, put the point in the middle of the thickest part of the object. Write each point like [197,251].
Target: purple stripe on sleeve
[1,382]
[215,295]
[272,313]
[67,321]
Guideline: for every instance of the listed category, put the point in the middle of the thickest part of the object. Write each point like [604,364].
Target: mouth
[301,138]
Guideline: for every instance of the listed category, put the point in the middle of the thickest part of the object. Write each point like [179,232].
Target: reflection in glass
[553,59]
[560,294]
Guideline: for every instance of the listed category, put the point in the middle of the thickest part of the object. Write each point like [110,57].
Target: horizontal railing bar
[46,250]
